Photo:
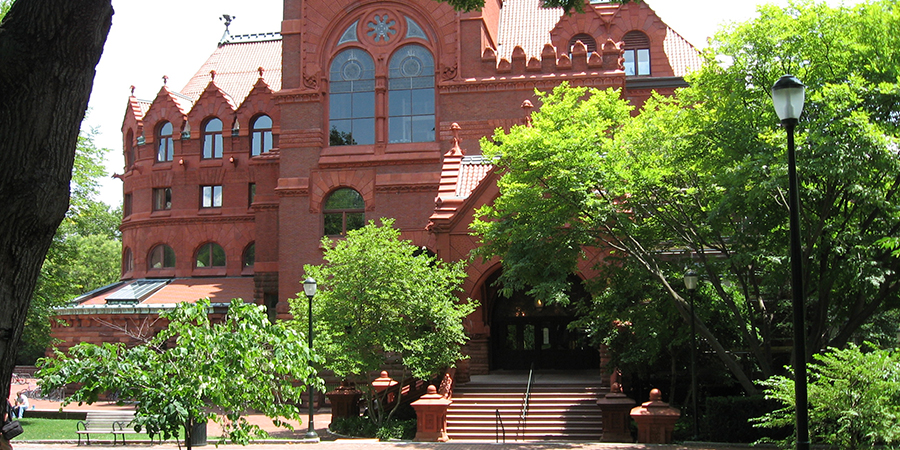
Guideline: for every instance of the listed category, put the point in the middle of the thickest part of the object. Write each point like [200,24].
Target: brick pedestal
[615,407]
[431,416]
[655,420]
[344,401]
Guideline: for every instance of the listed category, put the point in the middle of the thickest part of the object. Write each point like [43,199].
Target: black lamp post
[690,283]
[788,95]
[309,288]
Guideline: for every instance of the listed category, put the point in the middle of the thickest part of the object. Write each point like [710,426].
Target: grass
[37,429]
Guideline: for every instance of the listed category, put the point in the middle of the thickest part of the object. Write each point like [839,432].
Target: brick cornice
[168,221]
[519,83]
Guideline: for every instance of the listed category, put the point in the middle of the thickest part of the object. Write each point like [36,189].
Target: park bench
[117,423]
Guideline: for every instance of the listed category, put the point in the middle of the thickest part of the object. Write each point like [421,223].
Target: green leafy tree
[854,399]
[194,371]
[703,175]
[381,299]
[85,253]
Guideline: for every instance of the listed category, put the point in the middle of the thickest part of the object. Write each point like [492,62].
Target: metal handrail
[522,417]
[498,426]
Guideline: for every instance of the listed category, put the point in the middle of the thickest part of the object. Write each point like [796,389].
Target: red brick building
[357,110]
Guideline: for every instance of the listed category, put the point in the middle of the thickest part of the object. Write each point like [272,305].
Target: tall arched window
[165,150]
[212,139]
[260,135]
[161,257]
[637,53]
[352,98]
[411,95]
[344,210]
[127,261]
[129,148]
[249,257]
[210,255]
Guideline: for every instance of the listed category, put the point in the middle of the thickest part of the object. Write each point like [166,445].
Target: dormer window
[212,139]
[165,149]
[637,53]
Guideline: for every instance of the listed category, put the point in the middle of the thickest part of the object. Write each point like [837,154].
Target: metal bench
[117,423]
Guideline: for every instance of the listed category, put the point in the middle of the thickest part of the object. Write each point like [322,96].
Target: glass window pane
[340,105]
[422,128]
[364,131]
[333,224]
[207,196]
[218,255]
[422,101]
[250,255]
[400,129]
[629,62]
[355,221]
[400,103]
[169,256]
[341,133]
[363,104]
[345,198]
[217,195]
[217,145]
[203,256]
[643,57]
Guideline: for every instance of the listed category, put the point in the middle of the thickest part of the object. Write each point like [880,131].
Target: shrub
[727,419]
[364,427]
[854,399]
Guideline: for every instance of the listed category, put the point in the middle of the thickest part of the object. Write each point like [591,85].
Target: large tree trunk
[48,51]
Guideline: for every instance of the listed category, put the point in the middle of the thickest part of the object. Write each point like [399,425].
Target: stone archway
[525,331]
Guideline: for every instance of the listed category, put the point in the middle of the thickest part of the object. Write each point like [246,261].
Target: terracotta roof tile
[472,170]
[525,24]
[683,57]
[236,65]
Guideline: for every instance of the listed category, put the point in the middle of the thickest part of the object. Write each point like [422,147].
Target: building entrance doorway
[524,331]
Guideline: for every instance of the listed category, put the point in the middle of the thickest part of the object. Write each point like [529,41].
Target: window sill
[211,162]
[212,211]
[208,272]
[161,213]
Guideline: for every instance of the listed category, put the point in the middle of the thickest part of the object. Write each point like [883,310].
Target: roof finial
[227,35]
[260,70]
[212,75]
[527,106]
[165,79]
[132,90]
[455,150]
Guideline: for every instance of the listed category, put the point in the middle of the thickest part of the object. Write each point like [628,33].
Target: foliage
[701,178]
[41,429]
[854,399]
[4,7]
[381,299]
[195,371]
[728,419]
[363,427]
[566,5]
[85,253]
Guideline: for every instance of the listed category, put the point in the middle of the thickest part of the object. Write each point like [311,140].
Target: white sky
[175,37]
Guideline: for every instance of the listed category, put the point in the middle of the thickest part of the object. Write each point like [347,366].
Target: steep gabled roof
[236,64]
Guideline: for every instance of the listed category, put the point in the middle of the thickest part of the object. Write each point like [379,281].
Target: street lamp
[690,283]
[309,288]
[788,95]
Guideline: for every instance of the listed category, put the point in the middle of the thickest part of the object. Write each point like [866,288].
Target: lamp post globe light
[788,95]
[309,288]
[690,283]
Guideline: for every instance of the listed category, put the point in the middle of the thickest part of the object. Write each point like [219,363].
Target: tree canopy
[701,180]
[194,371]
[382,299]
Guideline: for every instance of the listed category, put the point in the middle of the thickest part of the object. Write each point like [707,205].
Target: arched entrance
[524,331]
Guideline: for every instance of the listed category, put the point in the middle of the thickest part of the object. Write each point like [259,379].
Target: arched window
[129,148]
[637,53]
[344,210]
[165,150]
[260,135]
[127,261]
[352,98]
[411,95]
[210,255]
[161,257]
[589,43]
[212,139]
[249,257]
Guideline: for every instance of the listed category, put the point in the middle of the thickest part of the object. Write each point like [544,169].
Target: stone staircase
[560,409]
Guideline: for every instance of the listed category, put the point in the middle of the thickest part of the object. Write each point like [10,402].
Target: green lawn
[37,429]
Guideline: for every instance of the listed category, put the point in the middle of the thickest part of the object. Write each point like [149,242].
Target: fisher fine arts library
[357,110]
